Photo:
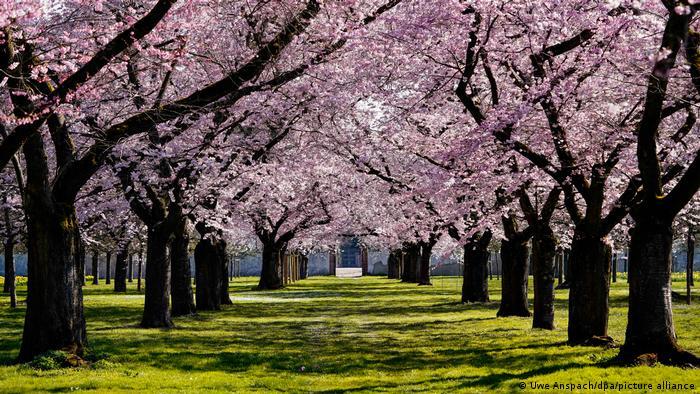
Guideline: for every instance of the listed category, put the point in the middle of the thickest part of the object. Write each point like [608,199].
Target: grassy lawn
[334,335]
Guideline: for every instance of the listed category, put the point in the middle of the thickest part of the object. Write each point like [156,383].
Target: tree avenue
[138,134]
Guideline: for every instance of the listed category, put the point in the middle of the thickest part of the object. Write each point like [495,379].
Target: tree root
[601,341]
[675,358]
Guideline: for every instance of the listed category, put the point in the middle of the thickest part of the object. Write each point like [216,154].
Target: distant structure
[354,260]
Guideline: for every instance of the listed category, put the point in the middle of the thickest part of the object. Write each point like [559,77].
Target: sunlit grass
[332,335]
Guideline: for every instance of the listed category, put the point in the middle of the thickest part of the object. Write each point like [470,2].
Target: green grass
[336,335]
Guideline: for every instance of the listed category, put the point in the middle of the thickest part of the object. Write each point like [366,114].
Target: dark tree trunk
[54,317]
[269,275]
[690,259]
[81,269]
[130,276]
[304,267]
[9,286]
[424,267]
[614,268]
[475,287]
[650,329]
[332,262]
[364,261]
[181,276]
[207,276]
[560,267]
[108,268]
[120,270]
[95,267]
[223,278]
[514,263]
[411,262]
[156,311]
[393,263]
[590,285]
[543,255]
[140,273]
[566,270]
[9,264]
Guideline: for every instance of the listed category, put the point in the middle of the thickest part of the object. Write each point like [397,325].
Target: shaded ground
[327,334]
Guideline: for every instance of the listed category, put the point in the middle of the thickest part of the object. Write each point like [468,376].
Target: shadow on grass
[333,326]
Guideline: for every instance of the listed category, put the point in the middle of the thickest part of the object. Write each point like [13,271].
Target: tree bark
[181,276]
[9,249]
[364,260]
[81,269]
[332,262]
[120,270]
[156,311]
[650,328]
[424,268]
[411,263]
[690,259]
[269,276]
[9,286]
[140,273]
[560,266]
[589,267]
[543,255]
[207,272]
[515,266]
[108,268]
[54,318]
[304,267]
[130,276]
[475,286]
[95,267]
[223,278]
[393,263]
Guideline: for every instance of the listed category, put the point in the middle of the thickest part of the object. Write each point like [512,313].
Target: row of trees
[407,124]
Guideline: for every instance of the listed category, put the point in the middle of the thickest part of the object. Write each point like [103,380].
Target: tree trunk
[223,278]
[95,267]
[181,276]
[81,269]
[364,260]
[393,263]
[108,268]
[589,267]
[560,266]
[650,329]
[514,259]
[120,270]
[9,286]
[566,269]
[9,264]
[543,255]
[690,259]
[424,268]
[156,311]
[140,273]
[130,276]
[54,318]
[332,262]
[614,268]
[304,267]
[207,273]
[475,286]
[411,262]
[269,276]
